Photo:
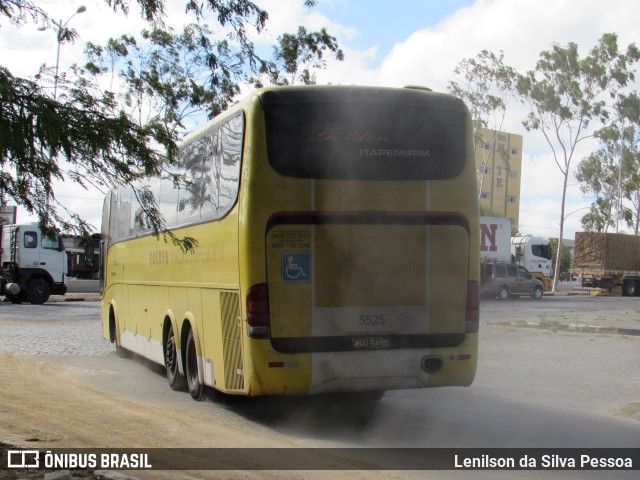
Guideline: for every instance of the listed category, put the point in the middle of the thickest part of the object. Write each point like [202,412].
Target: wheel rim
[504,293]
[171,354]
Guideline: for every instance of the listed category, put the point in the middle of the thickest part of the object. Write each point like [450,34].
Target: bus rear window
[365,134]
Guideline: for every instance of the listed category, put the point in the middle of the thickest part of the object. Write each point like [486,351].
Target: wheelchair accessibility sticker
[296,267]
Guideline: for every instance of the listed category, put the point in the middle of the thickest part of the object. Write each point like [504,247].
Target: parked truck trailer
[608,261]
[495,238]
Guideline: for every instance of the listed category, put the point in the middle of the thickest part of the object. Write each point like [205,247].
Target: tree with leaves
[612,173]
[96,133]
[600,217]
[565,259]
[632,184]
[296,56]
[486,86]
[612,180]
[164,77]
[566,93]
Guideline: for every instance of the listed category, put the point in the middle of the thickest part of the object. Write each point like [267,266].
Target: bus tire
[196,389]
[113,336]
[175,378]
[38,291]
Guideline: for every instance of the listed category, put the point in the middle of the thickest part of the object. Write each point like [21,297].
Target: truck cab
[33,266]
[534,253]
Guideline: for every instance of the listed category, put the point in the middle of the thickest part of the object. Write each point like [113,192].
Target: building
[499,165]
[7,214]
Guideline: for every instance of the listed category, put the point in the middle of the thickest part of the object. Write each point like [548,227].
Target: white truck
[534,254]
[32,265]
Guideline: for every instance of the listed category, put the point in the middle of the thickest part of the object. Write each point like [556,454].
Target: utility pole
[61,29]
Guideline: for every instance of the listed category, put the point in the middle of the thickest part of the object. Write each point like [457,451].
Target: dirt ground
[60,412]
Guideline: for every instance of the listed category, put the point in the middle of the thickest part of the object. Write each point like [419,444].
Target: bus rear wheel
[196,389]
[175,378]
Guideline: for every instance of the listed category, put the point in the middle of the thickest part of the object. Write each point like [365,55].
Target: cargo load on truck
[608,261]
[495,239]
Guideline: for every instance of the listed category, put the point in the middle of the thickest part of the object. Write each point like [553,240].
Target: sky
[386,43]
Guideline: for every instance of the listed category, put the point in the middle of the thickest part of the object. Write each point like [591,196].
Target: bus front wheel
[196,389]
[175,378]
[113,335]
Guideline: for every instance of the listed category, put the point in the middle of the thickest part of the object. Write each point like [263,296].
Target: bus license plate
[371,343]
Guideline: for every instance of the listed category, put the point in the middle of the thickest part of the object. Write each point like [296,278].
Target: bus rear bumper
[275,373]
[391,370]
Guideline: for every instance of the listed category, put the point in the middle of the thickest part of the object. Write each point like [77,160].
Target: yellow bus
[337,248]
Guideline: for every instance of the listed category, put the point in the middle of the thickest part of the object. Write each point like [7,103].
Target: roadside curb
[583,292]
[570,328]
[75,297]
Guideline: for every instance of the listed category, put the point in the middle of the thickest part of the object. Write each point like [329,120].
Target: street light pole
[60,30]
[620,173]
[60,34]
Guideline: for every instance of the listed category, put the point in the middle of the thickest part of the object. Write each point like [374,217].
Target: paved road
[77,285]
[578,312]
[55,328]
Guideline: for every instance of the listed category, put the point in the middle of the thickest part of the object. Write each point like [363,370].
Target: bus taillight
[472,319]
[258,321]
